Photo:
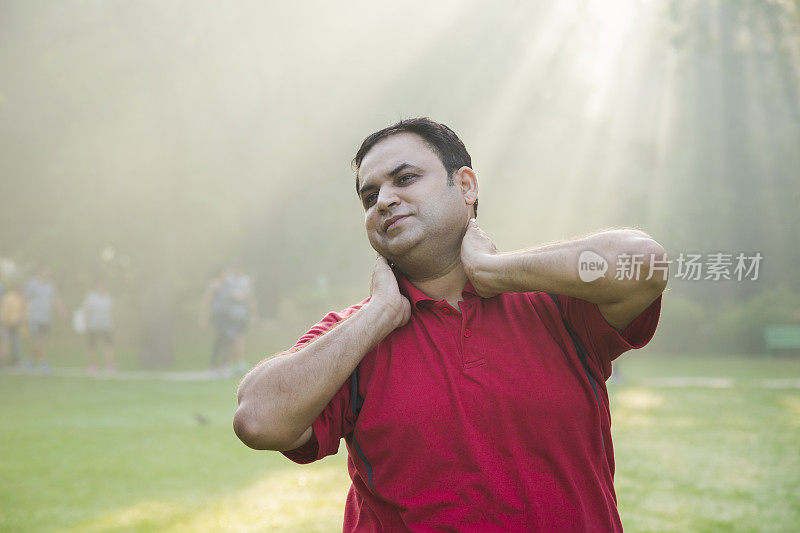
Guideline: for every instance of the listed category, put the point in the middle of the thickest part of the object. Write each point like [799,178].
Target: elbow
[657,264]
[249,431]
[254,431]
[647,261]
[254,422]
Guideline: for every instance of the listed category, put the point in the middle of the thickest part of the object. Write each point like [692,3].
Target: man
[463,401]
[241,309]
[42,297]
[212,311]
[98,307]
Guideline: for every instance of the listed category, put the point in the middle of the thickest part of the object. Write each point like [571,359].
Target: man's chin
[396,249]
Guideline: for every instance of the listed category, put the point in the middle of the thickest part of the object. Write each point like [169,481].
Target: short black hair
[441,139]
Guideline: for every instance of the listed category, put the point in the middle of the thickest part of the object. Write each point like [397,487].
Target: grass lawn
[81,454]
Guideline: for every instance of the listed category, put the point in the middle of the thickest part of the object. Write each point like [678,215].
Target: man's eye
[405,177]
[369,199]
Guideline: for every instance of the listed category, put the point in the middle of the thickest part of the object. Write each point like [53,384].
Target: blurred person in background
[241,309]
[2,342]
[13,319]
[213,312]
[97,308]
[42,298]
[463,398]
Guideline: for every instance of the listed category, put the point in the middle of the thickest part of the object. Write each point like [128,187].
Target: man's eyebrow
[392,173]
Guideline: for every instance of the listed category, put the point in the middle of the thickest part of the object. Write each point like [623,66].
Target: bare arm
[281,397]
[554,268]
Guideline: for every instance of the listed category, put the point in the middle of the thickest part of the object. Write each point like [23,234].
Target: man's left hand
[477,254]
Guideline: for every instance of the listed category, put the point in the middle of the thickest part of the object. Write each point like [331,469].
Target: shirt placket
[453,323]
[469,356]
[460,324]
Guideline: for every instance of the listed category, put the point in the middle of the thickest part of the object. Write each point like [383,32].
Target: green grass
[96,455]
[695,459]
[649,365]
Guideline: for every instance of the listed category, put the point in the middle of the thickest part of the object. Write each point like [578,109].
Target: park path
[205,375]
[122,375]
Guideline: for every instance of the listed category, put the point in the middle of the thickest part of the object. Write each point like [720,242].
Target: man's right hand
[281,397]
[385,293]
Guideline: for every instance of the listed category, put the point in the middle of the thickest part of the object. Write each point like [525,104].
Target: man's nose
[387,197]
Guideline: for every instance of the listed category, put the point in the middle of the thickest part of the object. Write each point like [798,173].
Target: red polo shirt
[481,418]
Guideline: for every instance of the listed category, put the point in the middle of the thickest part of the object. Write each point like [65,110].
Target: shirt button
[467,332]
[446,311]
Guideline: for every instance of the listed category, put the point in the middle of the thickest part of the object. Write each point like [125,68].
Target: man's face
[402,177]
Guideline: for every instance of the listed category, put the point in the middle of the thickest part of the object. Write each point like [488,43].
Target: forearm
[554,268]
[280,398]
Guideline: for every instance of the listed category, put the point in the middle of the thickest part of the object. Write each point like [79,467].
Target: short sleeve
[336,420]
[603,342]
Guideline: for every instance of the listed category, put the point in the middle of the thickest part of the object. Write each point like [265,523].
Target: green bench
[782,338]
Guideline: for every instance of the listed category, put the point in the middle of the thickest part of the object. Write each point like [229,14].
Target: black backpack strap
[578,348]
[583,357]
[356,401]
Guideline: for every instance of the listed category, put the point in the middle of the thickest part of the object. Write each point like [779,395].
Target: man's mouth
[387,225]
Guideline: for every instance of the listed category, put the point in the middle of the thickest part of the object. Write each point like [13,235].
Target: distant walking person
[240,309]
[41,295]
[13,318]
[97,308]
[2,339]
[213,312]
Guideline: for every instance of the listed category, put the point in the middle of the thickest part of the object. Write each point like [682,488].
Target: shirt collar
[416,296]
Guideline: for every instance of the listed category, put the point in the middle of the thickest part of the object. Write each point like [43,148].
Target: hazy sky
[214,129]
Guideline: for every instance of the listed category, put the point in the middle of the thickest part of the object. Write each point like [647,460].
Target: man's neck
[446,284]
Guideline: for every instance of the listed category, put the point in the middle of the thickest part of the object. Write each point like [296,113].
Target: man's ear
[467,180]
